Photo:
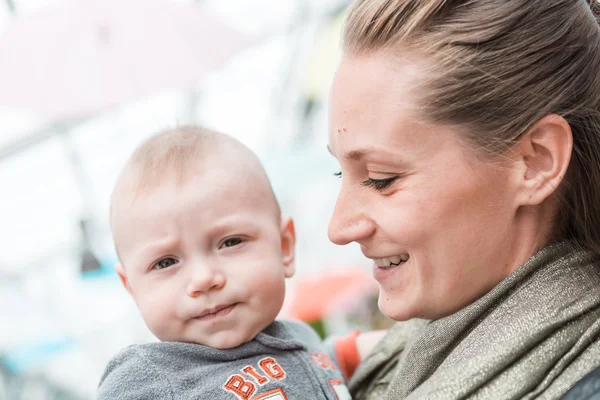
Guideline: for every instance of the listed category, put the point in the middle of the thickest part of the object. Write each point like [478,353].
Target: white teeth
[382,262]
[393,261]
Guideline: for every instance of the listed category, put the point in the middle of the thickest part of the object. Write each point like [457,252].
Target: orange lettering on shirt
[272,368]
[253,373]
[323,360]
[240,387]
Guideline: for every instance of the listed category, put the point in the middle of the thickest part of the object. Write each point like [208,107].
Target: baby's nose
[204,279]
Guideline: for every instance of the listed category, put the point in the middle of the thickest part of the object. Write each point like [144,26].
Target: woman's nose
[348,223]
[204,279]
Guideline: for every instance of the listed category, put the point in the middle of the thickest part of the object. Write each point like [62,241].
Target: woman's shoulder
[375,372]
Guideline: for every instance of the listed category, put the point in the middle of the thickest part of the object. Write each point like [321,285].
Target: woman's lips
[382,274]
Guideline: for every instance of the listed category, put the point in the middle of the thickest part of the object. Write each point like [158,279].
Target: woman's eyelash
[379,184]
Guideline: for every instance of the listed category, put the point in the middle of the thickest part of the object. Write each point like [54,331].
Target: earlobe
[545,152]
[122,276]
[288,246]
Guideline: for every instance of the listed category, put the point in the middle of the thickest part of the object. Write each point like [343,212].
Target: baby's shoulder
[302,332]
[154,353]
[156,371]
[134,373]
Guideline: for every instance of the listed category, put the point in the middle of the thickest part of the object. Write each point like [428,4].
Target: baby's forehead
[217,184]
[210,208]
[215,162]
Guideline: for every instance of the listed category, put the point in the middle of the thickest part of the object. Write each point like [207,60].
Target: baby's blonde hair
[175,155]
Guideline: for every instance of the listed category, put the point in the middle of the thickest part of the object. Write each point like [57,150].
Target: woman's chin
[398,308]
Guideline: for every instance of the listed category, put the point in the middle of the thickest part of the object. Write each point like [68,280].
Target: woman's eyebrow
[329,150]
[354,155]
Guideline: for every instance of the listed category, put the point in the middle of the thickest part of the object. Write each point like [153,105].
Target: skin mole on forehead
[342,129]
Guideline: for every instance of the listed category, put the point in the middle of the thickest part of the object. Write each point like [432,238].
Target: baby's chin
[220,340]
[225,340]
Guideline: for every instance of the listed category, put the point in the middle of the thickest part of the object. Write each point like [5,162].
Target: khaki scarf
[533,336]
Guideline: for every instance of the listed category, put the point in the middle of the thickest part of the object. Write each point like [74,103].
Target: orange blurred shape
[314,297]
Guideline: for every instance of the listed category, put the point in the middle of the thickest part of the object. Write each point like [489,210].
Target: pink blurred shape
[82,57]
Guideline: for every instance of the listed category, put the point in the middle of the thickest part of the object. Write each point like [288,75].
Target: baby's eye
[164,263]
[234,241]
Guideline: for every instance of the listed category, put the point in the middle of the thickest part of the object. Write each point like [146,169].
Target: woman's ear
[288,246]
[123,277]
[543,154]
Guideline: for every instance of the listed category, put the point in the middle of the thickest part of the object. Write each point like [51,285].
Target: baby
[204,252]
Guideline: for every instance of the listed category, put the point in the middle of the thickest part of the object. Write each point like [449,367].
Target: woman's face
[440,224]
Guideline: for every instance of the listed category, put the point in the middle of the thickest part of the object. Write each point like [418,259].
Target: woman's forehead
[370,77]
[381,133]
[368,94]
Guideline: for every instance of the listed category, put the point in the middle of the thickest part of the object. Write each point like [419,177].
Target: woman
[468,135]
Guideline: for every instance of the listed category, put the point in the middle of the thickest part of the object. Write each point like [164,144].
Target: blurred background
[82,83]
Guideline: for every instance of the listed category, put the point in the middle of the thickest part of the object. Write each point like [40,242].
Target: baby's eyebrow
[157,248]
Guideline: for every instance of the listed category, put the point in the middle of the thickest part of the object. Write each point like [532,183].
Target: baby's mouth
[218,311]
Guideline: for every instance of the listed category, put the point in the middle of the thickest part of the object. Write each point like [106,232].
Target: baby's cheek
[156,316]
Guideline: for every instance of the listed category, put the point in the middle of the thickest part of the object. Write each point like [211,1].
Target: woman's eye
[164,263]
[338,174]
[379,184]
[231,242]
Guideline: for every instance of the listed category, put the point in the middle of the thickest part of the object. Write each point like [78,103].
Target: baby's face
[205,262]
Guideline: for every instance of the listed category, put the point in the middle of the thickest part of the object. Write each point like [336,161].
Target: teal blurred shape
[105,270]
[25,357]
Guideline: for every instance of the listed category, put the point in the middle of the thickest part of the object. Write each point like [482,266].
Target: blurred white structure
[80,57]
[54,175]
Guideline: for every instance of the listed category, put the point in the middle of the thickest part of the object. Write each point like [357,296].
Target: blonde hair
[175,155]
[171,154]
[496,67]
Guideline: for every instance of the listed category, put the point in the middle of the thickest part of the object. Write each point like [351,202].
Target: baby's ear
[288,246]
[122,276]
